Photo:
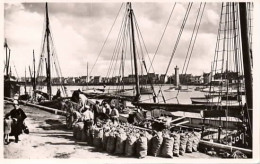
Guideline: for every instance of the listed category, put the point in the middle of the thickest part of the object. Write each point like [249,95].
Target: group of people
[98,111]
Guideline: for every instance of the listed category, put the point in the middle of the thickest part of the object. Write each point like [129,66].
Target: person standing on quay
[87,117]
[97,110]
[114,114]
[18,116]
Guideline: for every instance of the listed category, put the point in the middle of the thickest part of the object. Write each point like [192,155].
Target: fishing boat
[205,100]
[128,43]
[146,90]
[48,60]
[11,84]
[243,110]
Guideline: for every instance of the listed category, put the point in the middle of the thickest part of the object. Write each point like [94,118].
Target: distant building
[91,80]
[131,79]
[27,79]
[232,77]
[77,80]
[152,78]
[83,79]
[198,79]
[71,80]
[115,79]
[163,79]
[105,80]
[41,79]
[206,78]
[185,79]
[97,79]
[57,80]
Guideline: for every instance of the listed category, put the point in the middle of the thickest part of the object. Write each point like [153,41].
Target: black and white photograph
[148,81]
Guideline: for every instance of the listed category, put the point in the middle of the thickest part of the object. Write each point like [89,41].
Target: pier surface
[49,139]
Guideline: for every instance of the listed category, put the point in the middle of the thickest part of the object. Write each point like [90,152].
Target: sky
[80,29]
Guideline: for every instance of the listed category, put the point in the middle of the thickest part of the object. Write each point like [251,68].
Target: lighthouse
[177,78]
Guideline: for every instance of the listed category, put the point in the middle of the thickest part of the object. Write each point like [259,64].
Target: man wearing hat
[114,113]
[87,117]
[18,116]
[87,114]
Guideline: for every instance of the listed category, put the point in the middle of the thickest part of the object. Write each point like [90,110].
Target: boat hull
[146,91]
[231,111]
[11,88]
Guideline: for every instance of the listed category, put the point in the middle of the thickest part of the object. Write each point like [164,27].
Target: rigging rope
[178,39]
[162,36]
[192,41]
[106,39]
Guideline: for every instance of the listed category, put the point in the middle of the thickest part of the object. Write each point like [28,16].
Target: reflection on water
[174,96]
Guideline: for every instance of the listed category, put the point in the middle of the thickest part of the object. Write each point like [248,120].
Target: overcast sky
[79,30]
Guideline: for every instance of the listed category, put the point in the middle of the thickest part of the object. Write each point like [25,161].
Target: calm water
[170,97]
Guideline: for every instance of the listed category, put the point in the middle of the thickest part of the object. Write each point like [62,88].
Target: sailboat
[243,111]
[48,59]
[128,46]
[11,85]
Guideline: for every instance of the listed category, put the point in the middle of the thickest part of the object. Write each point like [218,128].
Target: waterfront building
[71,80]
[186,79]
[57,80]
[97,79]
[198,79]
[115,79]
[206,78]
[41,79]
[163,79]
[83,79]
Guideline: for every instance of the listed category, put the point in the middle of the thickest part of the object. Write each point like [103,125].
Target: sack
[141,147]
[83,136]
[167,147]
[156,144]
[238,155]
[196,141]
[130,145]
[149,142]
[98,136]
[90,135]
[111,143]
[120,143]
[105,138]
[80,130]
[176,144]
[75,130]
[183,143]
[189,143]
[25,128]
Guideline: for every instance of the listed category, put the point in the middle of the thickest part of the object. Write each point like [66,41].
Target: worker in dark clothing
[96,111]
[18,116]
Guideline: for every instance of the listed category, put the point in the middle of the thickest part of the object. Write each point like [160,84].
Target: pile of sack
[130,141]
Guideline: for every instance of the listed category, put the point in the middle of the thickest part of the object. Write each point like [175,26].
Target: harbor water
[170,95]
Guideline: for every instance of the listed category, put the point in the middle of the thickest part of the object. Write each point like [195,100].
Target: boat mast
[87,72]
[34,78]
[48,64]
[6,54]
[246,54]
[134,54]
[25,82]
